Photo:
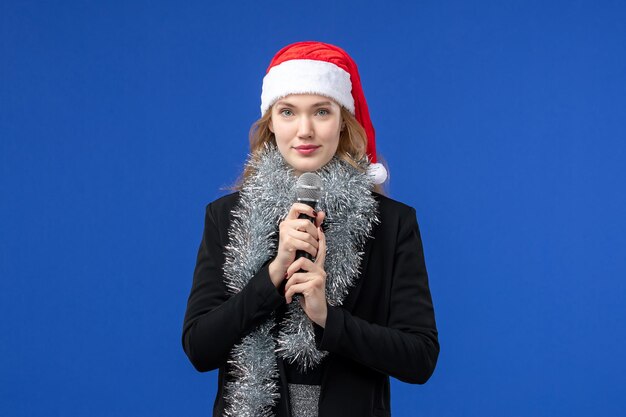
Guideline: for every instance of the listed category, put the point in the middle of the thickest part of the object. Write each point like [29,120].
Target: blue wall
[504,125]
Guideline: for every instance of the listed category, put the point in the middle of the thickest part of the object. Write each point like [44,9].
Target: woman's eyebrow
[321,103]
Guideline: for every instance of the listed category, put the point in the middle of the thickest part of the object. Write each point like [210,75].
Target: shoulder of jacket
[223,204]
[227,201]
[389,205]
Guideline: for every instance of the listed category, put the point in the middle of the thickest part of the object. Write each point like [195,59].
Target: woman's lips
[306,150]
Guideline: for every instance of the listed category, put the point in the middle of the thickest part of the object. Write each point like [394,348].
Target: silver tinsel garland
[265,200]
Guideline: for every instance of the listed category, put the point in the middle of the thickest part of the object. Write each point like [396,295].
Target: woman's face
[307,129]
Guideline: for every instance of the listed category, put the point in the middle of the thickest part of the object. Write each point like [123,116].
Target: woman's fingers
[297,234]
[302,241]
[299,208]
[321,249]
[319,219]
[306,227]
[299,278]
[302,284]
[300,225]
[300,264]
[293,290]
[304,272]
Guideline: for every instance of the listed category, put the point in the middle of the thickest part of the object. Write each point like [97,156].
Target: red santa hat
[327,70]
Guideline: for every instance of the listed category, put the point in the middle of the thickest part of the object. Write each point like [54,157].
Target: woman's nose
[305,127]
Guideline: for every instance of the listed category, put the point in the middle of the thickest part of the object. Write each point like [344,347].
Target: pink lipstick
[306,149]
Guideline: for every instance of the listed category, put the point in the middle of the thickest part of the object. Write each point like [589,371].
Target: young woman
[298,337]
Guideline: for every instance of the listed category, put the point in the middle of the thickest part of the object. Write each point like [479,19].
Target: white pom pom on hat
[320,68]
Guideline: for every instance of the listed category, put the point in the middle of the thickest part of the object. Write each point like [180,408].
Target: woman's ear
[270,126]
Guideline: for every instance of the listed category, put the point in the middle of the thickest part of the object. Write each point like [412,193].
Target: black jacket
[386,326]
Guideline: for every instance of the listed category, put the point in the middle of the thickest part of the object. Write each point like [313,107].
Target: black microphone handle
[302,253]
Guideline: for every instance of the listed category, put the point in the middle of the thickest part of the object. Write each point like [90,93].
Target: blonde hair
[352,143]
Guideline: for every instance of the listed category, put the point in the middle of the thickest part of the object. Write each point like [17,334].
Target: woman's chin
[308,165]
[307,169]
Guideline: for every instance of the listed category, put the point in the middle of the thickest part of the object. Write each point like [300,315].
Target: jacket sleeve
[216,320]
[407,346]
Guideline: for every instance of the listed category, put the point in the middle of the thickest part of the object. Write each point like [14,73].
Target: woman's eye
[323,112]
[286,112]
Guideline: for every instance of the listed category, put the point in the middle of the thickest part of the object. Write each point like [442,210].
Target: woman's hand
[295,234]
[310,282]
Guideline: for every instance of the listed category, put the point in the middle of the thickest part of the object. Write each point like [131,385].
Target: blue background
[503,123]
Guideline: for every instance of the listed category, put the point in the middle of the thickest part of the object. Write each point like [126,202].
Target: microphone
[308,191]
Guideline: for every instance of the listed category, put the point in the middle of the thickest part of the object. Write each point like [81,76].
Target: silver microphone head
[309,189]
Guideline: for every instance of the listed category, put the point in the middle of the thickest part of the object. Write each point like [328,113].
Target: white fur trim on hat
[378,171]
[307,76]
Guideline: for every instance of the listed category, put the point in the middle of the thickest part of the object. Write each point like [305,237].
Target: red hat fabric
[320,68]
